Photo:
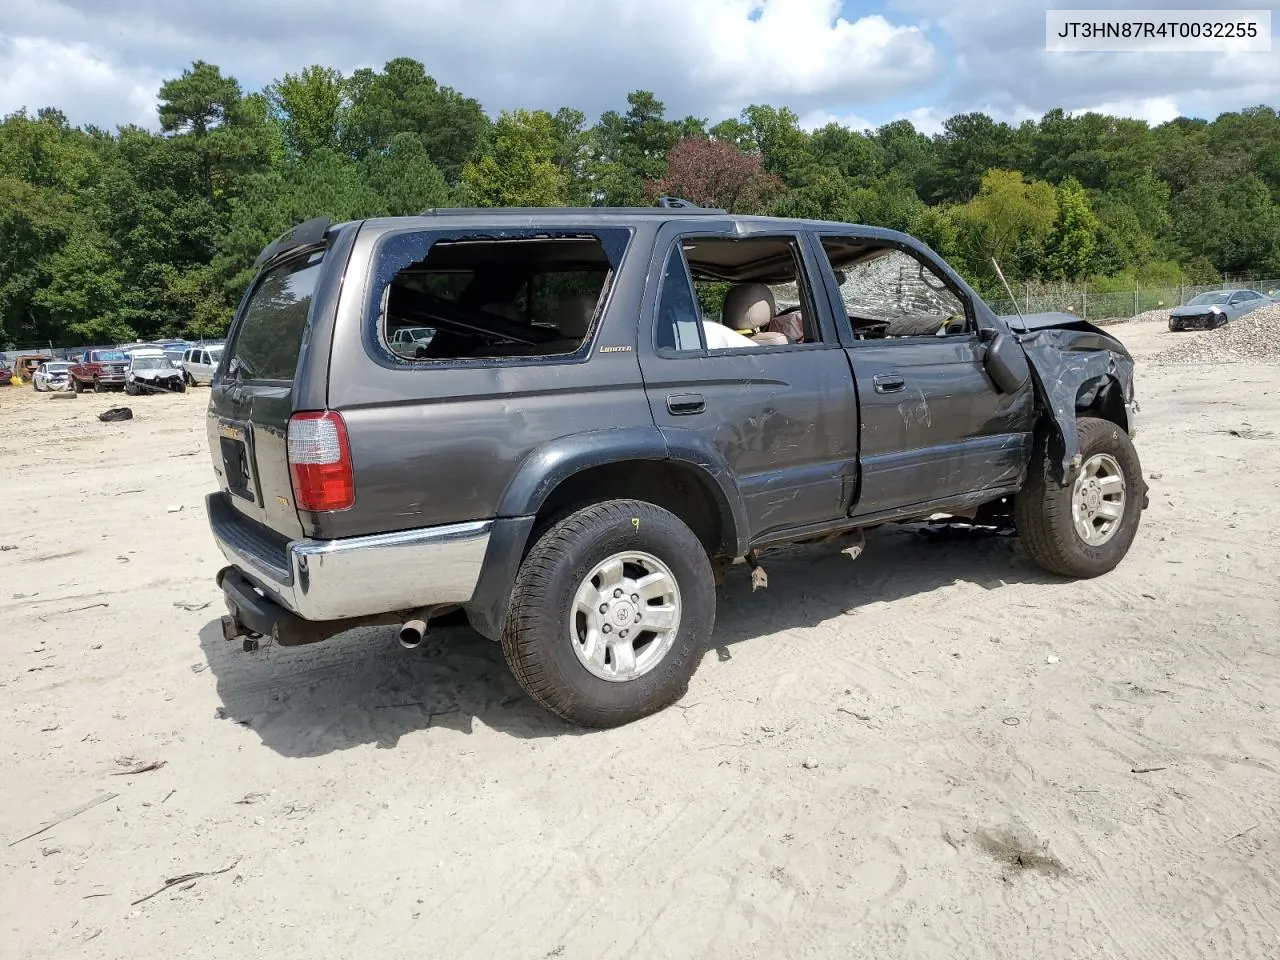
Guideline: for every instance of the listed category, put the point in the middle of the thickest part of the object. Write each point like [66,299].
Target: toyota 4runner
[569,423]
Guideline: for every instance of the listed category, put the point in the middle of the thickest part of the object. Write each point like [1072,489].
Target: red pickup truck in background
[99,369]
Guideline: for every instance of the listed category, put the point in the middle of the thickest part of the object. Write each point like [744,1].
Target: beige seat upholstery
[750,306]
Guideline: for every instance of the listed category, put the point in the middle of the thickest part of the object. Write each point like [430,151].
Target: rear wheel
[1083,529]
[611,612]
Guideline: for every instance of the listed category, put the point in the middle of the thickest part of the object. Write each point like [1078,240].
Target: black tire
[97,387]
[1043,509]
[536,638]
[186,378]
[130,389]
[75,385]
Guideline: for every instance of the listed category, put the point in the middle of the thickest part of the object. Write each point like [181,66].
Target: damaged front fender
[1074,365]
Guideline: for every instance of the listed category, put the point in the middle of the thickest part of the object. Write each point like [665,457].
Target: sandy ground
[935,751]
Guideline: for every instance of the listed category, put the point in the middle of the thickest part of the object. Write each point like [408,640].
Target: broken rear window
[494,297]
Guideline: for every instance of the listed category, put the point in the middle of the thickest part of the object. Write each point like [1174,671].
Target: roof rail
[665,206]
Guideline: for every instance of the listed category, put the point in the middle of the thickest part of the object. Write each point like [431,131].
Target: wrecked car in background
[616,405]
[1208,311]
[153,372]
[52,375]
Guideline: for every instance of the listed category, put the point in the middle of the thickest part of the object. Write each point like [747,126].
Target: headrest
[748,306]
[574,316]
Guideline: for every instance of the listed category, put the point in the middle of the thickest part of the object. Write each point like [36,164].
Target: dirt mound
[1255,338]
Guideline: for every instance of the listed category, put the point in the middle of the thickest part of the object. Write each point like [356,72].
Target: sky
[859,62]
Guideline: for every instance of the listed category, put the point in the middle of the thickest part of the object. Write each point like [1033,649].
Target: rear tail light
[320,462]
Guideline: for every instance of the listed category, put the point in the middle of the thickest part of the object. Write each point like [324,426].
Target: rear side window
[274,322]
[448,298]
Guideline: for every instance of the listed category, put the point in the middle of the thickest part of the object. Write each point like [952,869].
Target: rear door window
[274,323]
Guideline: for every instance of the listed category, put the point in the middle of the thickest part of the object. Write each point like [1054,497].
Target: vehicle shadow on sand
[362,688]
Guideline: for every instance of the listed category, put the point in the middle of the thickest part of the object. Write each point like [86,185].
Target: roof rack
[665,206]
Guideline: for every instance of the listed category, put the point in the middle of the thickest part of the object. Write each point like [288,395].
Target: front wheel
[611,612]
[1083,529]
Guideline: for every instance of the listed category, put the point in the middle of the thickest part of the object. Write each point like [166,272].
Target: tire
[1044,513]
[97,387]
[130,389]
[186,378]
[543,635]
[75,385]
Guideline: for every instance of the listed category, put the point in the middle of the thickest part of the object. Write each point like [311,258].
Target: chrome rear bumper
[355,576]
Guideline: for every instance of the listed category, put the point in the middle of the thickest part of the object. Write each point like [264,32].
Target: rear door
[783,417]
[252,393]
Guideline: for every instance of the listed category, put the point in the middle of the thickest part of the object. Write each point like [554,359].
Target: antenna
[1000,274]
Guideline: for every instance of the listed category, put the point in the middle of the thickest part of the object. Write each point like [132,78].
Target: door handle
[888,383]
[683,404]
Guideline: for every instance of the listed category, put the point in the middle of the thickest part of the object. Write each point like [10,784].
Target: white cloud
[36,72]
[709,57]
[1001,61]
[817,119]
[1154,110]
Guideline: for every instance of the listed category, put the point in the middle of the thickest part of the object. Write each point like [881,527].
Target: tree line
[109,236]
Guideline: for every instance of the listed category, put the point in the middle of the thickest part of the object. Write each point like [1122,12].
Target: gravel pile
[1255,337]
[1158,315]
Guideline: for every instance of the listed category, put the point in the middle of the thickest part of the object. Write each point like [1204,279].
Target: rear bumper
[353,577]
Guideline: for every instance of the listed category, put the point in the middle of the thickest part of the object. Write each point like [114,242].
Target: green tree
[520,169]
[403,98]
[309,107]
[1009,219]
[1074,240]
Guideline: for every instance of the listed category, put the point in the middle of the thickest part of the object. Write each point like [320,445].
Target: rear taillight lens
[320,462]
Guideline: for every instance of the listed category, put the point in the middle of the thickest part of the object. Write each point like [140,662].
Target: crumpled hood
[1194,311]
[155,374]
[1060,320]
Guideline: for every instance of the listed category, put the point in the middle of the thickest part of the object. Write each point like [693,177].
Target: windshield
[108,356]
[57,367]
[152,363]
[1207,298]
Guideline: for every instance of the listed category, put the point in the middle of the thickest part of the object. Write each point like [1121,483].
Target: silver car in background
[1208,311]
[52,375]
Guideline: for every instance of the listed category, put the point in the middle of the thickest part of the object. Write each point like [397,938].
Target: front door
[934,426]
[780,410]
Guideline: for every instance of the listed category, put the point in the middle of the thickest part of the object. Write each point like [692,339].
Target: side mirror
[1005,363]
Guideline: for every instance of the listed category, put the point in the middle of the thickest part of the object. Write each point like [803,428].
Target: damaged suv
[569,424]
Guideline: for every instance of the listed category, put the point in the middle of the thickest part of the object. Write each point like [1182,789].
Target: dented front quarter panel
[1068,354]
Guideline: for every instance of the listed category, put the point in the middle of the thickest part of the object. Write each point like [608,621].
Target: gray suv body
[614,405]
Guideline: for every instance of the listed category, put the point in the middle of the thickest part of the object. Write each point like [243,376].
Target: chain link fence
[1123,305]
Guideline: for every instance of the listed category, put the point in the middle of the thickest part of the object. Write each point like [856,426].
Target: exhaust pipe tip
[412,633]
